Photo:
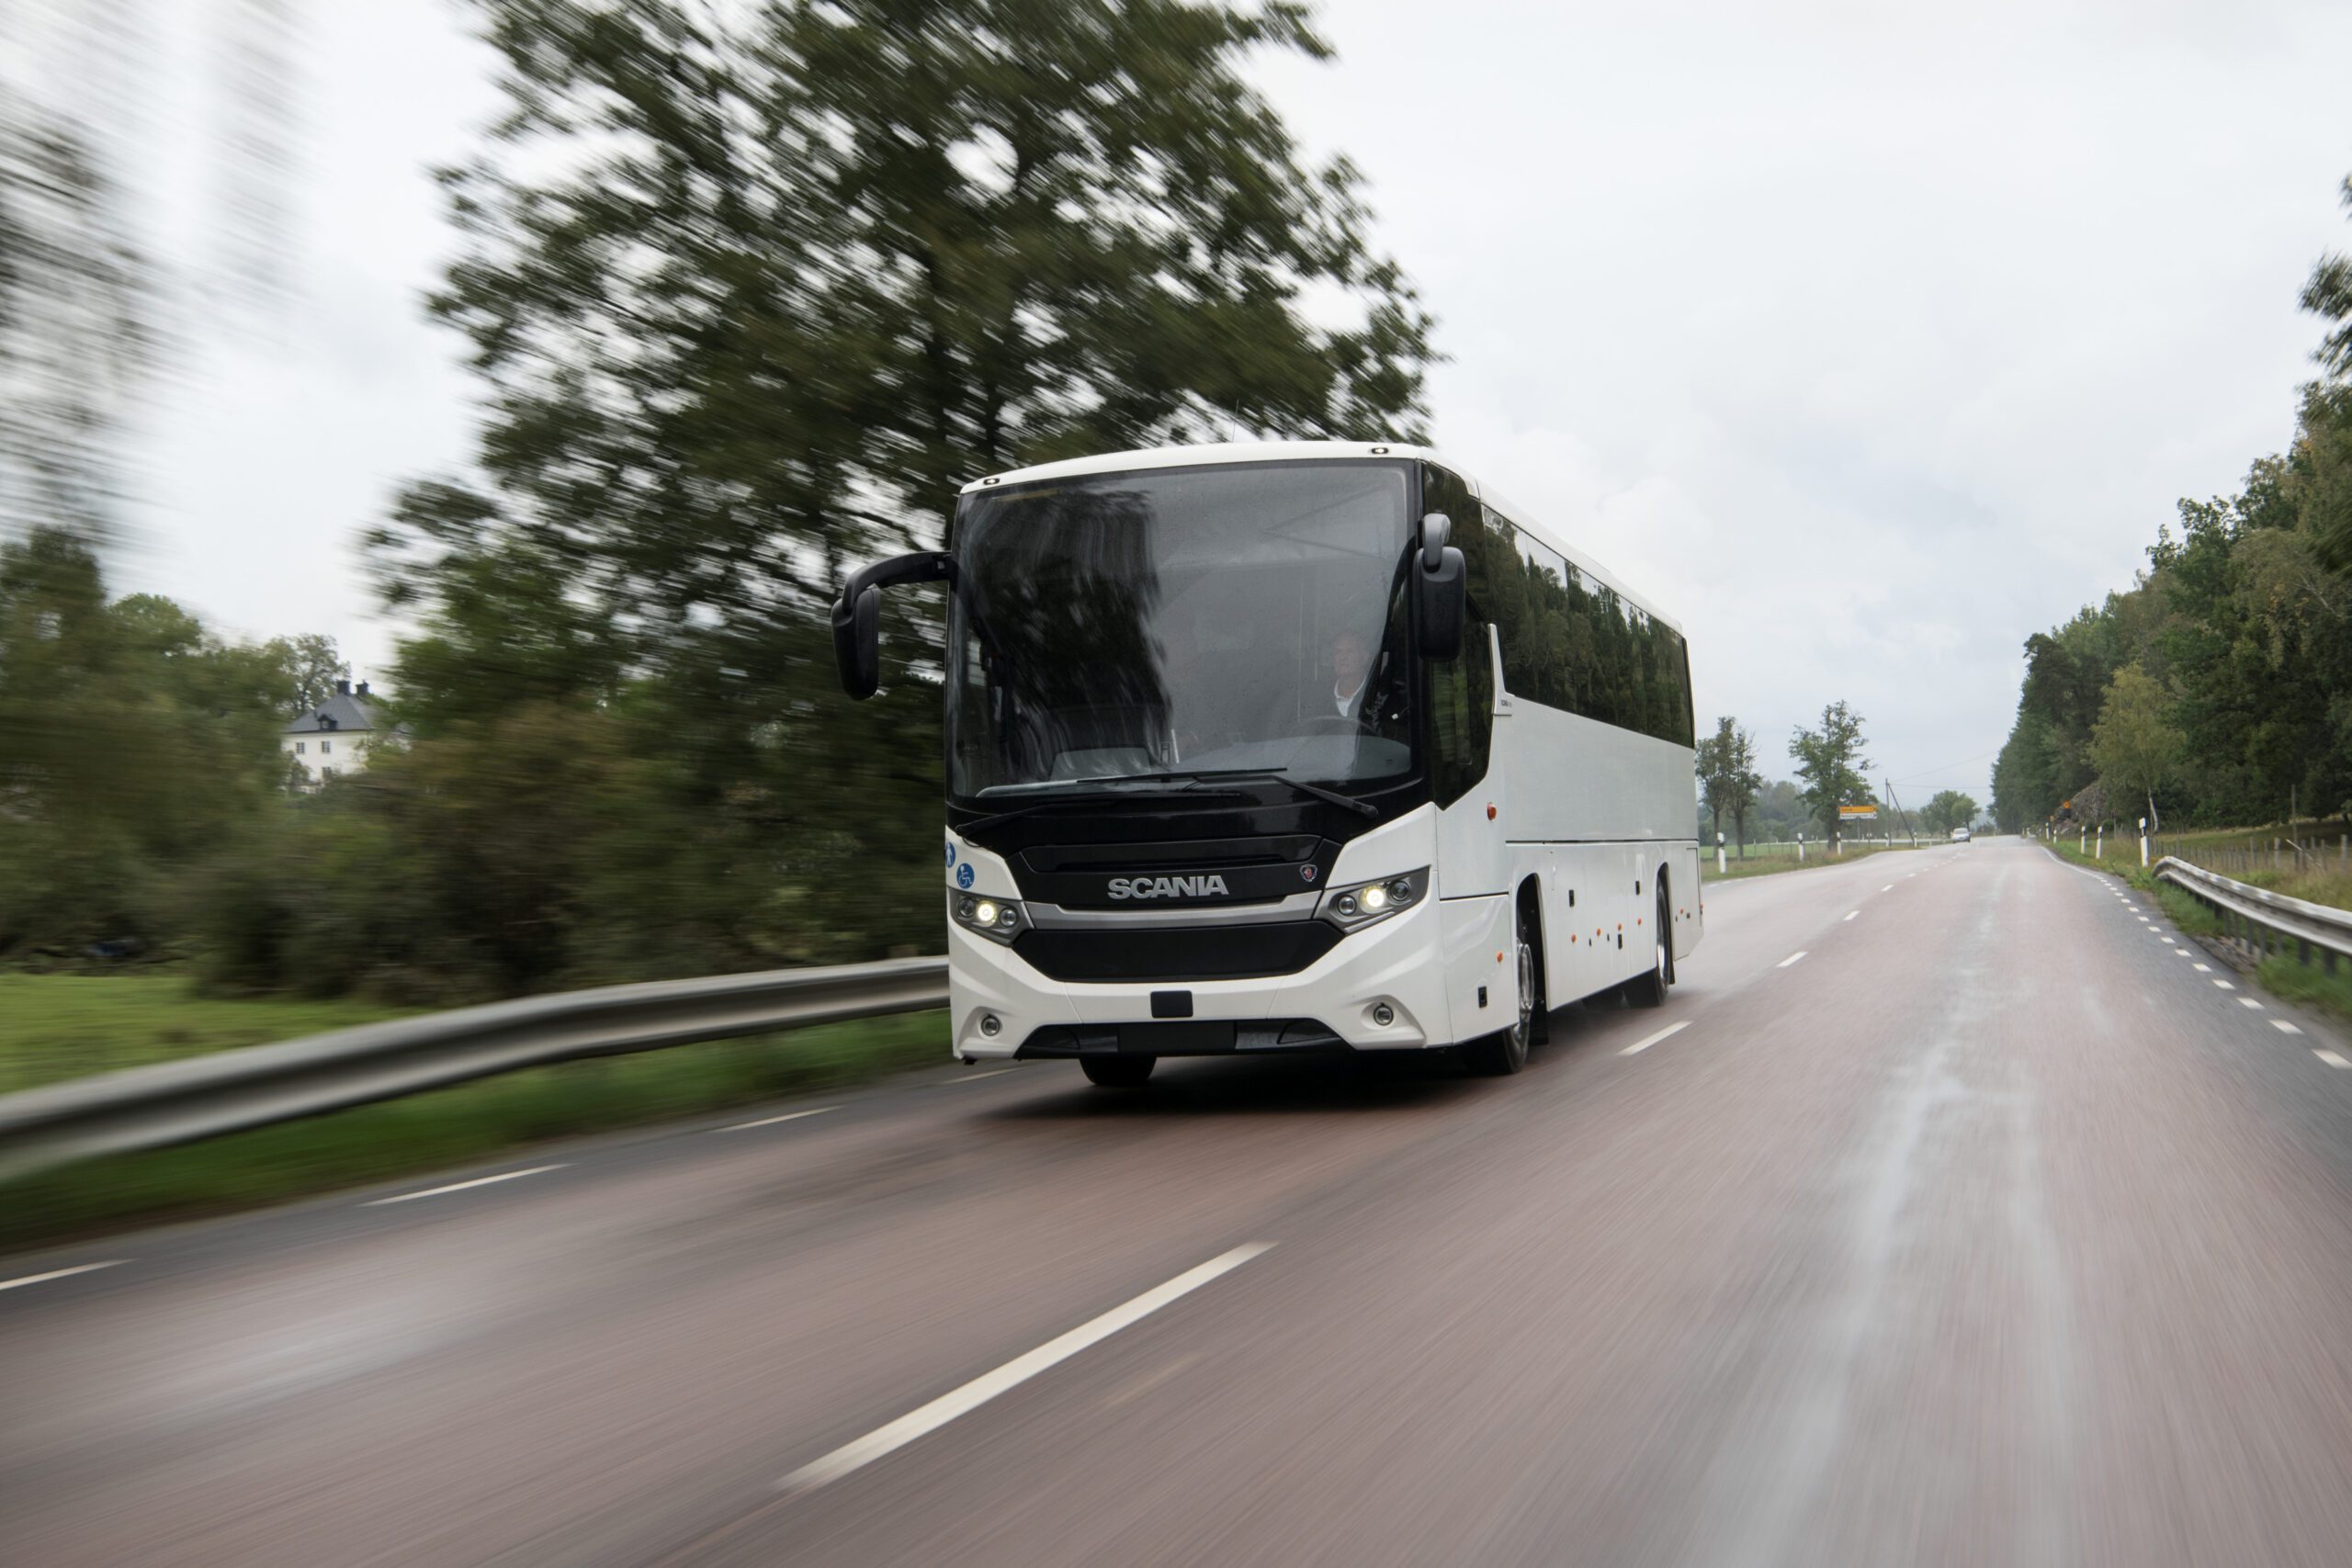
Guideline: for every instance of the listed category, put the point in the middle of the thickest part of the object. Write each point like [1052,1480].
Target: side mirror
[857,615]
[1440,583]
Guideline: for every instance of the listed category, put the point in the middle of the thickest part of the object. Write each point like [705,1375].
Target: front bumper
[1395,964]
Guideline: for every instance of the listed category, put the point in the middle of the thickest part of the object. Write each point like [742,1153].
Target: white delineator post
[1800,848]
[2144,842]
[1719,852]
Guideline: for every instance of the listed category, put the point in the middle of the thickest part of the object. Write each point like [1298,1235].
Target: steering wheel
[1333,724]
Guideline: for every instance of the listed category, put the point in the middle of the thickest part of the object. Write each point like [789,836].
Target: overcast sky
[1866,340]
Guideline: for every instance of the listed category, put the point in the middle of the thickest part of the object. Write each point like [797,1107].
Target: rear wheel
[1501,1053]
[1118,1072]
[1649,990]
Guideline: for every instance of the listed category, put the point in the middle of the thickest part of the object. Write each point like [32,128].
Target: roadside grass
[2187,913]
[64,1026]
[2309,984]
[1766,864]
[445,1127]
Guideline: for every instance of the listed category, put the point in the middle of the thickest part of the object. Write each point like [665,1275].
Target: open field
[64,1026]
[57,1026]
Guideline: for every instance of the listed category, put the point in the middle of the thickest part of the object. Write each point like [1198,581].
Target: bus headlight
[1366,902]
[999,920]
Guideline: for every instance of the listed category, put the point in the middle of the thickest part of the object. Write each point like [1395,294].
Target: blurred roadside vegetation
[750,292]
[449,1126]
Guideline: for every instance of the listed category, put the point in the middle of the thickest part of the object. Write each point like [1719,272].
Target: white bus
[1300,747]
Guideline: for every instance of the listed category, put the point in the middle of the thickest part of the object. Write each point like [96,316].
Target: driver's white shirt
[1347,704]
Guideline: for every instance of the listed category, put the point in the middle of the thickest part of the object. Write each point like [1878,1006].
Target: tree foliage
[1830,761]
[752,292]
[1728,781]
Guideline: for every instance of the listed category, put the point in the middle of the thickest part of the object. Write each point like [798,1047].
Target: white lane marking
[2225,985]
[2330,1057]
[1888,888]
[1638,1047]
[772,1121]
[2283,1027]
[459,1186]
[992,1073]
[930,1417]
[2249,1002]
[1855,912]
[1792,958]
[2200,969]
[59,1273]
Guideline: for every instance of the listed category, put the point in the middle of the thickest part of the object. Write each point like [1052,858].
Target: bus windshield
[1181,620]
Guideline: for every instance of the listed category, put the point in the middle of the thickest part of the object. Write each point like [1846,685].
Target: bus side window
[1461,690]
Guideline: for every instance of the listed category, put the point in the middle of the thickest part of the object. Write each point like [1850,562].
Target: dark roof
[347,712]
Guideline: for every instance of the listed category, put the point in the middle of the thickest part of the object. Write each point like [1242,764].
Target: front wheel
[1118,1072]
[1504,1053]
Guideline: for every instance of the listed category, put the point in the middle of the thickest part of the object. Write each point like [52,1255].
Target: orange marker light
[1490,811]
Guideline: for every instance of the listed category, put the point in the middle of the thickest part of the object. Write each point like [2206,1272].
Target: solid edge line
[772,1121]
[930,1417]
[459,1186]
[1792,958]
[1640,1045]
[60,1273]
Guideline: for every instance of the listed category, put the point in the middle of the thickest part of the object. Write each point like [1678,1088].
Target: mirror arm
[857,613]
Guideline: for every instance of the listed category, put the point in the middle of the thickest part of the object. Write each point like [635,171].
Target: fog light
[990,1024]
[1376,898]
[1346,904]
[1401,890]
[1383,1014]
[984,912]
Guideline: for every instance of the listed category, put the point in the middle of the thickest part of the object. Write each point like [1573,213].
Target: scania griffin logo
[1168,887]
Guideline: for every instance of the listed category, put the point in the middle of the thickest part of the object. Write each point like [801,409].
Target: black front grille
[1204,1037]
[1182,952]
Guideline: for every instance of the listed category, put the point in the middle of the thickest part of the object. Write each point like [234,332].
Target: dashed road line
[1638,1047]
[2283,1027]
[2201,968]
[2249,1002]
[916,1422]
[992,1073]
[2225,985]
[1792,958]
[1855,912]
[2330,1057]
[59,1273]
[459,1186]
[772,1121]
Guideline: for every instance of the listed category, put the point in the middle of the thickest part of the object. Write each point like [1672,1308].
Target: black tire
[1649,990]
[1118,1072]
[1503,1052]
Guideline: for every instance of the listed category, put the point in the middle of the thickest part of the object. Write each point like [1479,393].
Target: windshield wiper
[1362,808]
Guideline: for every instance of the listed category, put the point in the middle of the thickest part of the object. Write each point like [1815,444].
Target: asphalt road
[1992,1230]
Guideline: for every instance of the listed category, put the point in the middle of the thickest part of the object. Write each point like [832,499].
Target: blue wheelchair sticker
[963,874]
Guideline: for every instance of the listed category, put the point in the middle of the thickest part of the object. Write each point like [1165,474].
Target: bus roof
[1302,451]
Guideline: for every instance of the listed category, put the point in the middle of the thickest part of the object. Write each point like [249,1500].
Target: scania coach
[1298,747]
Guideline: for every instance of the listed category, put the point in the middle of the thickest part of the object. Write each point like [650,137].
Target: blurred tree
[1949,809]
[1830,761]
[1727,775]
[313,665]
[74,341]
[2132,746]
[754,290]
[133,746]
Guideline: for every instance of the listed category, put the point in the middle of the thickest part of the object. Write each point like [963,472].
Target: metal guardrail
[173,1102]
[2318,925]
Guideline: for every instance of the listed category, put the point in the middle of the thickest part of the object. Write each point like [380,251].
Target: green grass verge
[453,1126]
[2187,913]
[1766,864]
[64,1026]
[2308,983]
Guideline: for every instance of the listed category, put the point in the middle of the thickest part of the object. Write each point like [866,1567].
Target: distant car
[1960,835]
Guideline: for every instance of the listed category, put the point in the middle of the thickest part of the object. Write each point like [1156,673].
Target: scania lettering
[1306,746]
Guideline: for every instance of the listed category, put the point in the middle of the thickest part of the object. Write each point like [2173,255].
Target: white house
[332,738]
